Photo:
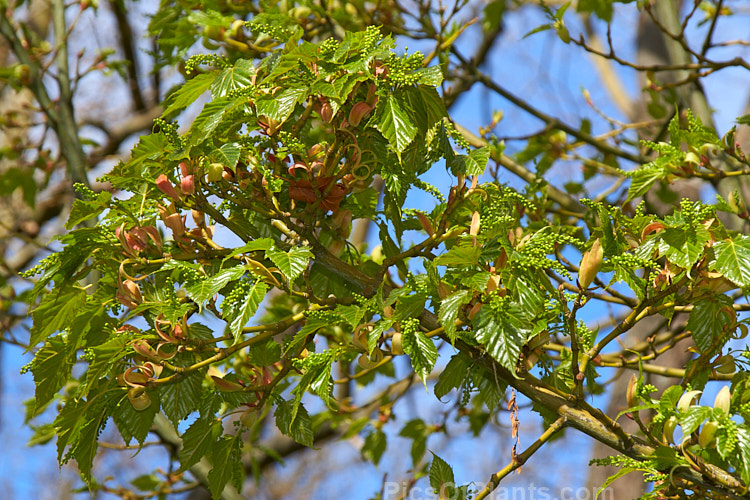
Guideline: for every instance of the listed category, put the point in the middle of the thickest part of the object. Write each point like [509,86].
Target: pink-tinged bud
[129,294]
[125,241]
[474,310]
[358,112]
[226,385]
[337,248]
[185,169]
[176,223]
[144,349]
[152,369]
[163,330]
[314,151]
[199,218]
[187,184]
[591,263]
[630,393]
[138,238]
[474,228]
[326,112]
[166,187]
[425,223]
[372,97]
[153,233]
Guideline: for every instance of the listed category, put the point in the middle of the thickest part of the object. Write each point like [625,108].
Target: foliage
[219,284]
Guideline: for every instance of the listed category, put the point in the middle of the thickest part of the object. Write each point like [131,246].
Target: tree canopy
[277,252]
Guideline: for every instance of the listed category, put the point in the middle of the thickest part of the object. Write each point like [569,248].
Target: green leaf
[297,427]
[395,125]
[228,155]
[642,180]
[685,244]
[260,244]
[135,424]
[431,76]
[441,474]
[453,375]
[743,120]
[449,309]
[197,440]
[88,442]
[213,115]
[280,107]
[188,93]
[233,78]
[733,259]
[460,256]
[202,290]
[69,422]
[742,460]
[476,161]
[418,432]
[247,309]
[83,210]
[181,398]
[503,332]
[422,353]
[708,322]
[374,446]
[291,263]
[223,456]
[51,368]
[56,312]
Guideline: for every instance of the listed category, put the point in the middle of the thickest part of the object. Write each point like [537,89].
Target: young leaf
[291,263]
[449,309]
[395,125]
[422,353]
[733,259]
[441,474]
[197,440]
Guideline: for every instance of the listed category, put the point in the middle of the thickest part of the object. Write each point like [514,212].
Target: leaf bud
[591,263]
[686,400]
[358,112]
[630,395]
[397,347]
[166,187]
[723,400]
[187,184]
[226,385]
[669,427]
[707,436]
[326,112]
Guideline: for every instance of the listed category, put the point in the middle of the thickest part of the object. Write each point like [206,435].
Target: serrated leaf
[69,422]
[431,76]
[422,353]
[441,474]
[685,244]
[449,309]
[233,78]
[742,460]
[228,155]
[181,398]
[453,375]
[707,322]
[223,456]
[51,368]
[298,427]
[260,244]
[642,180]
[88,443]
[280,107]
[503,333]
[188,93]
[83,210]
[202,290]
[135,424]
[395,125]
[198,440]
[460,256]
[247,309]
[476,161]
[291,263]
[55,313]
[733,259]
